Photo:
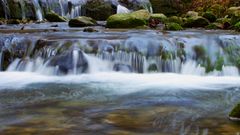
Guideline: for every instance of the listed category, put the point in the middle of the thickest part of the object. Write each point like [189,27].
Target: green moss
[175,19]
[219,63]
[53,17]
[199,51]
[173,26]
[161,17]
[191,14]
[235,112]
[152,68]
[210,16]
[237,26]
[82,21]
[194,22]
[130,20]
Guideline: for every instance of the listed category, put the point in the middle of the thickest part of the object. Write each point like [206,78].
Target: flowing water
[65,81]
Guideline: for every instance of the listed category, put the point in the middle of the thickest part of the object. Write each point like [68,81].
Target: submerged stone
[128,20]
[82,21]
[235,113]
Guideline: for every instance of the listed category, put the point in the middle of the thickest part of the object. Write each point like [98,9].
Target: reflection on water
[97,107]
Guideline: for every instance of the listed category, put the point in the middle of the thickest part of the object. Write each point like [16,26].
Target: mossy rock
[175,19]
[210,16]
[235,113]
[226,22]
[54,17]
[194,22]
[160,17]
[13,21]
[152,68]
[191,14]
[233,10]
[237,26]
[99,9]
[129,20]
[82,21]
[173,26]
[214,26]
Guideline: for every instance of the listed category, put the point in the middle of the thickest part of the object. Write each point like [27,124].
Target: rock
[53,17]
[233,10]
[173,26]
[99,9]
[123,68]
[65,62]
[160,17]
[210,16]
[215,26]
[13,21]
[234,13]
[191,14]
[226,22]
[235,113]
[175,19]
[89,30]
[194,22]
[128,20]
[152,68]
[237,26]
[82,21]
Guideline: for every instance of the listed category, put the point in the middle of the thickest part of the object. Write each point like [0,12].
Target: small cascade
[149,53]
[23,9]
[38,10]
[121,9]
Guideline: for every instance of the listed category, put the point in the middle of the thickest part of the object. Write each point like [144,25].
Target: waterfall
[121,9]
[38,10]
[23,9]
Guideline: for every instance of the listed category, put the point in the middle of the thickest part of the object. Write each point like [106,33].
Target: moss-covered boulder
[99,9]
[214,26]
[175,19]
[194,22]
[173,26]
[237,26]
[191,14]
[210,16]
[235,113]
[160,17]
[226,22]
[82,21]
[54,17]
[129,20]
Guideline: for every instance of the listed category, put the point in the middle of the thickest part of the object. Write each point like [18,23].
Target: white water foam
[122,82]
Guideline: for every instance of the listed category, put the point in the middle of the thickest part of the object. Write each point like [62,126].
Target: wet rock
[53,17]
[99,9]
[235,113]
[194,22]
[13,21]
[89,30]
[173,26]
[128,20]
[123,68]
[210,16]
[152,68]
[82,21]
[175,19]
[65,62]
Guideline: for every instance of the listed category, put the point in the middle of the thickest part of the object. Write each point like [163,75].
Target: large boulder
[129,20]
[160,17]
[173,27]
[82,21]
[191,14]
[53,17]
[99,10]
[235,113]
[194,22]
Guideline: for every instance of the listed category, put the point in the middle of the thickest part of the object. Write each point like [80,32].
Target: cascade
[198,55]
